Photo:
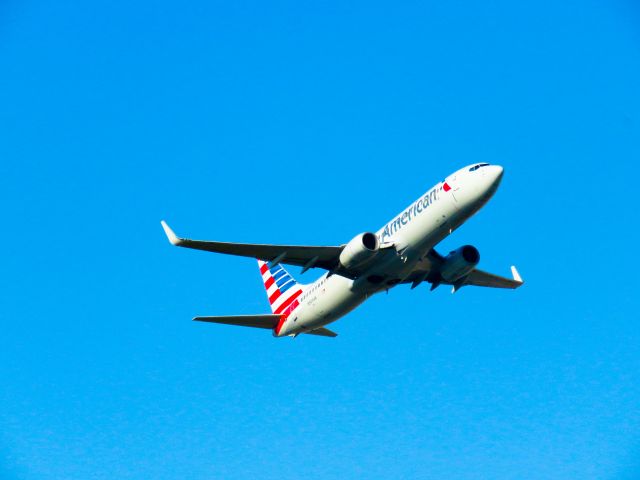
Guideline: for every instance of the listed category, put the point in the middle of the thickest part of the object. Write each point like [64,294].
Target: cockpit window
[480,165]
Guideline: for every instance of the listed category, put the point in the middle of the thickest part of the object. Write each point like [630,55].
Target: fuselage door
[451,185]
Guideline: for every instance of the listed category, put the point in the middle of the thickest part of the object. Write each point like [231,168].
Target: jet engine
[360,250]
[459,263]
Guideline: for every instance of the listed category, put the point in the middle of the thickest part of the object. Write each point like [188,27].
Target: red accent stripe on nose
[446,187]
[287,302]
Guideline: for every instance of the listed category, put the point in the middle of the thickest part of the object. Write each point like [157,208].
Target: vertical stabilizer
[282,289]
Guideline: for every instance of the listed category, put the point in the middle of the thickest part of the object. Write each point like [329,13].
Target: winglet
[173,238]
[516,275]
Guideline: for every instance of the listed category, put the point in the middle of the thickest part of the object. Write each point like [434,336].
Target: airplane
[401,252]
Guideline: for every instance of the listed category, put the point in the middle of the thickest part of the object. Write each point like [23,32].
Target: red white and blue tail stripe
[282,290]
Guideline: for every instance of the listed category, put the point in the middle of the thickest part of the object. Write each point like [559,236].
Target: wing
[485,279]
[256,321]
[429,270]
[303,256]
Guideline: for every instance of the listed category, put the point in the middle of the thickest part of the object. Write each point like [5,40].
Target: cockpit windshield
[476,167]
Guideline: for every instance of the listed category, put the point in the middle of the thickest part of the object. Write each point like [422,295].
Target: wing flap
[256,321]
[301,255]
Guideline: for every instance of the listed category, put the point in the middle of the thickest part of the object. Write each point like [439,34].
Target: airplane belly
[412,243]
[335,301]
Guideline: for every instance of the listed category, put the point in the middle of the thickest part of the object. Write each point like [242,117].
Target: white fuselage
[404,242]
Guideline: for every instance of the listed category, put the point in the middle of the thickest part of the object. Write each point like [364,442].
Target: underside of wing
[430,267]
[256,321]
[485,279]
[300,255]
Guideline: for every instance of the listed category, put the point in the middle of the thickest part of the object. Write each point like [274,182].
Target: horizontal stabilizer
[323,332]
[256,321]
[259,321]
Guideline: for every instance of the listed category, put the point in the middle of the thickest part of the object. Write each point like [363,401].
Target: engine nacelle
[459,263]
[360,250]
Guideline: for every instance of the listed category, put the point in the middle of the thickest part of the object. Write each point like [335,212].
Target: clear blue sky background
[309,123]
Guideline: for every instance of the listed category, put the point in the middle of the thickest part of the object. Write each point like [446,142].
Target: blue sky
[309,123]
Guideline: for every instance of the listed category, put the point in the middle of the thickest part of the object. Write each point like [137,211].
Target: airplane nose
[494,174]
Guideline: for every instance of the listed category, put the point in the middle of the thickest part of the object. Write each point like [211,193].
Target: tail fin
[281,287]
